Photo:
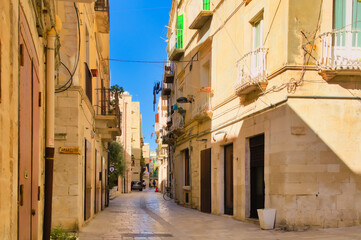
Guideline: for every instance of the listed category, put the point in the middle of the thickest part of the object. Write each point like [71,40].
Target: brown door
[29,117]
[87,182]
[95,182]
[257,174]
[206,199]
[101,178]
[228,179]
[187,181]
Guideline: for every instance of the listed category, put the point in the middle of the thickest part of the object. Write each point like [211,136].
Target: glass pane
[339,21]
[356,23]
[257,35]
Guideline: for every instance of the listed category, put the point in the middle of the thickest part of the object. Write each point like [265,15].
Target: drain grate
[146,235]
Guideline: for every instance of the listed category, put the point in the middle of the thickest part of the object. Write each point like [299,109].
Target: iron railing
[252,69]
[176,40]
[108,104]
[202,104]
[340,49]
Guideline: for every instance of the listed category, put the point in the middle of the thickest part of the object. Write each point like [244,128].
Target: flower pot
[267,218]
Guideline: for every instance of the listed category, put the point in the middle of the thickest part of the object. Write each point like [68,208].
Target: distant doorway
[228,179]
[206,198]
[256,145]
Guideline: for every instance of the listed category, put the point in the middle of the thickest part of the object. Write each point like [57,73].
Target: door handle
[33,212]
[21,195]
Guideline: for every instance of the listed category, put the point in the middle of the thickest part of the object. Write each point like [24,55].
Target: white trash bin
[267,218]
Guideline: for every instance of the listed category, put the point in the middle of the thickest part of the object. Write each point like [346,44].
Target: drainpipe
[50,122]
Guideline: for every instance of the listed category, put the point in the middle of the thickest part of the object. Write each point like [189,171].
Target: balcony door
[347,29]
[257,44]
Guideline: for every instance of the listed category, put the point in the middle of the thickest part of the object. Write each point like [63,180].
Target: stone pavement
[145,215]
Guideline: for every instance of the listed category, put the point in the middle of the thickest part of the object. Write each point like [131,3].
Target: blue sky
[136,28]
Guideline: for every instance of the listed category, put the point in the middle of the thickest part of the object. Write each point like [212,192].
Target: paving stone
[146,215]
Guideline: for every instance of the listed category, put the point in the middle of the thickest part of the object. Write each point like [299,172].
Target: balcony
[102,16]
[177,127]
[169,70]
[252,72]
[175,46]
[201,107]
[166,89]
[199,13]
[340,54]
[108,116]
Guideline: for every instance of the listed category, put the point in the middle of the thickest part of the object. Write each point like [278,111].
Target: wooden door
[206,197]
[228,179]
[95,182]
[257,174]
[29,139]
[102,179]
[87,182]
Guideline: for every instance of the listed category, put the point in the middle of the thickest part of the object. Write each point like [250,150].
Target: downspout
[50,115]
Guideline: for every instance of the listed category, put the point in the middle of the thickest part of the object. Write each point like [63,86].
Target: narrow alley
[146,215]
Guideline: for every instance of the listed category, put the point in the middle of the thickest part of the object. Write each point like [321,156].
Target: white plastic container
[267,218]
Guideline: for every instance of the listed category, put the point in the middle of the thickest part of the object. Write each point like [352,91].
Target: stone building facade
[25,28]
[87,114]
[264,105]
[132,141]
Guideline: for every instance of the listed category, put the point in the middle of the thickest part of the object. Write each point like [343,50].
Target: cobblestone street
[145,215]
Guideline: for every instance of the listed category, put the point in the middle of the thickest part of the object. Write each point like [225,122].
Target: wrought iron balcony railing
[169,71]
[101,5]
[108,104]
[175,46]
[252,72]
[201,107]
[340,53]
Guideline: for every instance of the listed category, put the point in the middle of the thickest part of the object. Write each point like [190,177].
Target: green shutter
[180,31]
[339,19]
[356,23]
[207,5]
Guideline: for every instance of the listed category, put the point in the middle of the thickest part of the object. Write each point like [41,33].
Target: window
[347,17]
[257,34]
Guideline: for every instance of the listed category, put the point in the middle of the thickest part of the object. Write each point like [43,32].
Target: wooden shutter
[207,5]
[180,31]
[356,23]
[339,20]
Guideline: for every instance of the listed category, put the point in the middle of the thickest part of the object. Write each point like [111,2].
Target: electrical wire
[70,81]
[145,61]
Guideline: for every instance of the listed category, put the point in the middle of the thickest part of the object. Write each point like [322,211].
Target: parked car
[137,185]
